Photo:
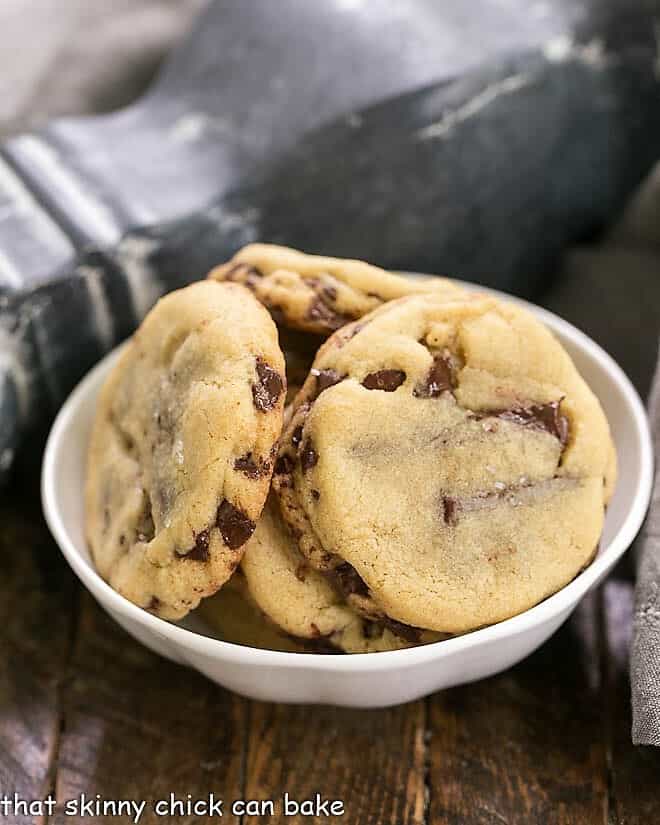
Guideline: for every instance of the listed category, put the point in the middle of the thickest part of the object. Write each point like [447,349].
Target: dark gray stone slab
[250,80]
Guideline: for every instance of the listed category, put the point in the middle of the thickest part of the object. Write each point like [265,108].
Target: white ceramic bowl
[360,680]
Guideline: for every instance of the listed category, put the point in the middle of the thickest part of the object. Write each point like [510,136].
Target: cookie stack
[441,464]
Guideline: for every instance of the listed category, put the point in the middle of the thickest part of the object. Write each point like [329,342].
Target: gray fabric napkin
[612,292]
[640,227]
[81,56]
[645,654]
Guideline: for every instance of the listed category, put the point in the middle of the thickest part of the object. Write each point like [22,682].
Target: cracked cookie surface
[319,294]
[446,460]
[181,451]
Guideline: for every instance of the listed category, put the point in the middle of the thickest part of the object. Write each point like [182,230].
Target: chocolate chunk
[308,456]
[440,379]
[243,274]
[200,551]
[544,417]
[284,465]
[235,527]
[514,495]
[387,380]
[315,495]
[349,580]
[325,379]
[318,310]
[450,511]
[268,388]
[252,469]
[404,631]
[154,604]
[296,435]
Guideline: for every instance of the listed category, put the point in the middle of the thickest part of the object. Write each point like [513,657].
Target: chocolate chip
[440,379]
[404,631]
[544,417]
[268,388]
[316,495]
[296,435]
[200,551]
[252,469]
[325,379]
[301,572]
[243,274]
[308,456]
[316,633]
[235,527]
[329,293]
[154,604]
[387,380]
[283,465]
[450,511]
[349,580]
[318,310]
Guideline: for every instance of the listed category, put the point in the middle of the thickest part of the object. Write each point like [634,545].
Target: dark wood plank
[37,602]
[372,760]
[526,746]
[137,727]
[634,789]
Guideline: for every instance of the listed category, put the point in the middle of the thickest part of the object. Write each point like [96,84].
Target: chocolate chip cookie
[308,605]
[182,447]
[446,463]
[319,294]
[233,615]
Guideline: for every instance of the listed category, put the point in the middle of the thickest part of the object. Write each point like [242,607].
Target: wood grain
[85,709]
[372,760]
[37,614]
[526,746]
[139,727]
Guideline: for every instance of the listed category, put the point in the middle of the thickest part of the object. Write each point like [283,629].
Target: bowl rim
[553,606]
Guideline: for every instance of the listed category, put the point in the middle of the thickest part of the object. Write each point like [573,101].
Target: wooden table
[84,708]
